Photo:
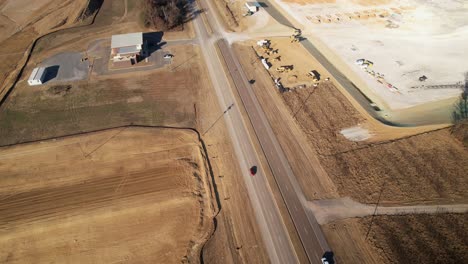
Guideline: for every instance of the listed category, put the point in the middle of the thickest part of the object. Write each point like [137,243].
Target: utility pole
[375,210]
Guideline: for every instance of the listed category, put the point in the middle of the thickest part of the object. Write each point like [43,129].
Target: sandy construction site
[120,195]
[403,41]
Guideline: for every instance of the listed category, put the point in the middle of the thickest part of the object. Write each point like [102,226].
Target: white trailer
[265,64]
[37,76]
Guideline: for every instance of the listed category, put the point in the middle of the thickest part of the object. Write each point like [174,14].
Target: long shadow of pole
[216,121]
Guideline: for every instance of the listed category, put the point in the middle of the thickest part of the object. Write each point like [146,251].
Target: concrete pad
[66,66]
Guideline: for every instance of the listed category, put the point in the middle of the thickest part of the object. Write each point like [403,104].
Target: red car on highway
[253,170]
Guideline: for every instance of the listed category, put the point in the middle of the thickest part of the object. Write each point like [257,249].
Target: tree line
[165,14]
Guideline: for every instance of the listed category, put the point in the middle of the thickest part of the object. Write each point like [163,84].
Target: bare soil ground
[460,132]
[417,168]
[120,195]
[231,12]
[438,238]
[237,238]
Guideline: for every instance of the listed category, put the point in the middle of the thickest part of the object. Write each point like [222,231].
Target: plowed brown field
[425,168]
[122,195]
[401,239]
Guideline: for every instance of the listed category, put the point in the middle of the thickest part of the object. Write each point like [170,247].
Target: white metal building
[252,6]
[37,76]
[126,48]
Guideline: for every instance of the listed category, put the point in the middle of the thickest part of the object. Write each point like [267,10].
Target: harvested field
[428,168]
[440,238]
[165,98]
[231,11]
[121,195]
[460,132]
[425,168]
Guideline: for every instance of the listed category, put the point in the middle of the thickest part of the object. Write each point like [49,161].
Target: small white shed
[37,76]
[252,6]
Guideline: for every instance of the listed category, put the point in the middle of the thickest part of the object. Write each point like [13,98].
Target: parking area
[66,66]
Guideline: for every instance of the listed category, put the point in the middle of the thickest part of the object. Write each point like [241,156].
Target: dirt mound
[59,90]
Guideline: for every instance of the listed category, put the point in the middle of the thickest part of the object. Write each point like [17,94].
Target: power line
[214,123]
[375,210]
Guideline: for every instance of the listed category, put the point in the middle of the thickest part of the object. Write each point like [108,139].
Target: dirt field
[401,239]
[423,168]
[121,195]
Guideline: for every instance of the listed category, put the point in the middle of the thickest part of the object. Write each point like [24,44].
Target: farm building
[252,6]
[37,76]
[126,48]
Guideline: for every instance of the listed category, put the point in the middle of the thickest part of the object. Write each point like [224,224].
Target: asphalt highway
[273,231]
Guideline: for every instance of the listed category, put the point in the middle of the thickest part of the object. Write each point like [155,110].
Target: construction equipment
[284,68]
[294,39]
[314,75]
[296,36]
[249,13]
[277,58]
[264,42]
[265,63]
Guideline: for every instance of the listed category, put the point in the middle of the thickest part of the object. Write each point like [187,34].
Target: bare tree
[165,14]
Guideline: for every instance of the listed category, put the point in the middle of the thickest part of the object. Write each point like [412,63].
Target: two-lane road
[273,231]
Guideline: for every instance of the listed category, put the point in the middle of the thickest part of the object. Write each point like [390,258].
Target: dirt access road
[121,195]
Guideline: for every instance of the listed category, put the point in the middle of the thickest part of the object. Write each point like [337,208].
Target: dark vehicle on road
[328,258]
[253,170]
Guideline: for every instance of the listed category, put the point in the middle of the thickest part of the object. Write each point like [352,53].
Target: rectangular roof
[125,40]
[36,74]
[126,50]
